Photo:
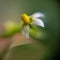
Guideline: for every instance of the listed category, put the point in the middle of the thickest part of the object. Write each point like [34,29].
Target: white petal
[25,31]
[38,22]
[37,15]
[36,19]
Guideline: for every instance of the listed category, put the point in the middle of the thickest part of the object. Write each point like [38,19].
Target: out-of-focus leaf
[11,28]
[36,32]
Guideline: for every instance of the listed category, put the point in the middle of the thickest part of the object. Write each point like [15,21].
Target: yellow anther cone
[25,18]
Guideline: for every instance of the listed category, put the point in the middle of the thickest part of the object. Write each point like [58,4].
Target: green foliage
[37,32]
[10,29]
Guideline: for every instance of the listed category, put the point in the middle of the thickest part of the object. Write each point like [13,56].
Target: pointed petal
[36,19]
[25,31]
[38,22]
[37,15]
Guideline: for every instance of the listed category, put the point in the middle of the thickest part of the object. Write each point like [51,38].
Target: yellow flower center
[25,18]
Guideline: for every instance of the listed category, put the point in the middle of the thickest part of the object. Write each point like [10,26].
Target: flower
[34,19]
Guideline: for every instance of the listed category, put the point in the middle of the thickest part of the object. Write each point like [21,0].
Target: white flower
[34,19]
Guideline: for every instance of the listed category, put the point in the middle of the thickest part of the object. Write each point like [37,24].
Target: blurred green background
[12,10]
